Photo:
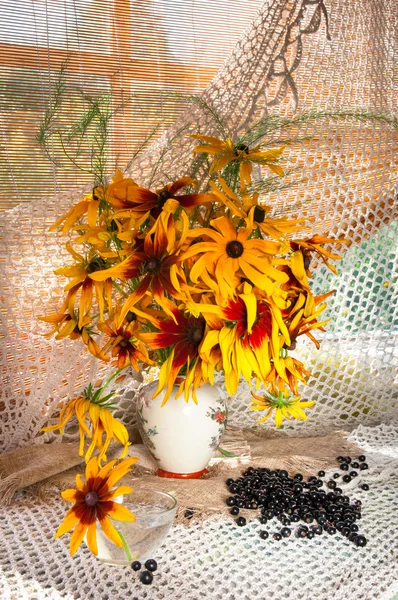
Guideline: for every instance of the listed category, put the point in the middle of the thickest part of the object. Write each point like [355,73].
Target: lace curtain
[298,55]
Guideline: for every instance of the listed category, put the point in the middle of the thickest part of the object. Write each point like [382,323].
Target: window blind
[148,54]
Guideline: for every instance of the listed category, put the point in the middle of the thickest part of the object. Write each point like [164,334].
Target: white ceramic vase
[182,436]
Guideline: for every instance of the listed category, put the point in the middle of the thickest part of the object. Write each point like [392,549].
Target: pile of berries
[151,566]
[291,500]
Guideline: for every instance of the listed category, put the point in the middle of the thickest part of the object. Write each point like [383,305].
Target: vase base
[171,475]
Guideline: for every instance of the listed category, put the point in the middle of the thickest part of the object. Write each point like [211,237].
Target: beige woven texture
[43,470]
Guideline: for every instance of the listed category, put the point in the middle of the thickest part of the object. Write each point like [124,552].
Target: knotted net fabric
[298,55]
[217,560]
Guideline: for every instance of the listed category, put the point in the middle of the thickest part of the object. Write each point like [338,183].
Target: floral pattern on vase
[182,436]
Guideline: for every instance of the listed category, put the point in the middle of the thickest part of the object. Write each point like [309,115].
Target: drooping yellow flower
[93,413]
[282,404]
[286,370]
[89,205]
[226,152]
[80,273]
[66,325]
[94,499]
[230,250]
[314,244]
[299,324]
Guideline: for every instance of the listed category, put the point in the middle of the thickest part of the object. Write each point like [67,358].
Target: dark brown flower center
[292,345]
[91,498]
[234,249]
[163,197]
[307,261]
[77,329]
[259,214]
[123,343]
[195,335]
[241,148]
[153,265]
[131,317]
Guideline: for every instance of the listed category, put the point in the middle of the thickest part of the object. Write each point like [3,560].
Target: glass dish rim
[153,490]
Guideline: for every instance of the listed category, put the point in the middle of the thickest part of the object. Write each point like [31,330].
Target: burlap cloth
[43,470]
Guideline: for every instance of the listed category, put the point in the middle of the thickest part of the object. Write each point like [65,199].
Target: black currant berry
[365,487]
[344,466]
[241,521]
[230,501]
[331,530]
[362,458]
[146,577]
[363,466]
[264,534]
[360,541]
[263,520]
[234,511]
[286,532]
[346,478]
[151,565]
[136,565]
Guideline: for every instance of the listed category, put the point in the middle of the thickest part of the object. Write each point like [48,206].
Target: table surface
[217,560]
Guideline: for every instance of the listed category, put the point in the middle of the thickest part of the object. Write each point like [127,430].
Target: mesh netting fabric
[217,560]
[297,55]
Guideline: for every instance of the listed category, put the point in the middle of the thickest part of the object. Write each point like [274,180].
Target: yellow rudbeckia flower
[95,499]
[93,411]
[226,152]
[282,404]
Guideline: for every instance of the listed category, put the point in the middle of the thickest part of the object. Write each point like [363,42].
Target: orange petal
[92,468]
[92,537]
[120,513]
[72,517]
[119,491]
[117,473]
[110,531]
[72,495]
[77,537]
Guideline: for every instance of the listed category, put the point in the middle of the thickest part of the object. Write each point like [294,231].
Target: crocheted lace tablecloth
[217,560]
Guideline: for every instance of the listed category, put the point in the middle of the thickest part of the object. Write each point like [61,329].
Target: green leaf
[226,453]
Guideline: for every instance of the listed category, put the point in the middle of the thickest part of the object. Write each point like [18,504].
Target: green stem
[125,546]
[111,377]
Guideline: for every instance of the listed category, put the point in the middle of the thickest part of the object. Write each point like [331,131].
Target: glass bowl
[154,511]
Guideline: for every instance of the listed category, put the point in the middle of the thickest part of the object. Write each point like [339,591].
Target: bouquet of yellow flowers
[196,282]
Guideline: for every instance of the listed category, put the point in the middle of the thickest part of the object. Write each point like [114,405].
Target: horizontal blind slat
[149,48]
